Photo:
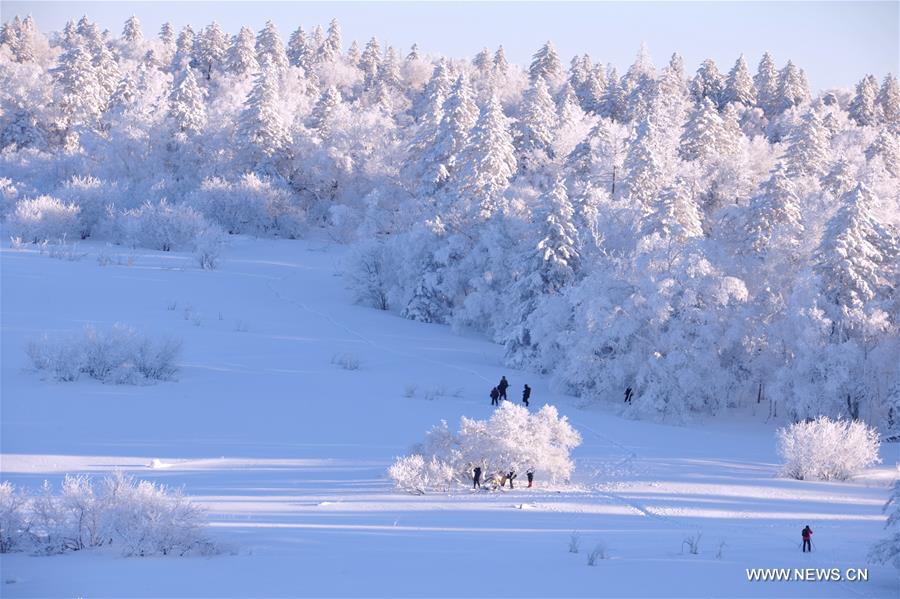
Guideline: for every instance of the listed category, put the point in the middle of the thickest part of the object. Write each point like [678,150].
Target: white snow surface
[289,451]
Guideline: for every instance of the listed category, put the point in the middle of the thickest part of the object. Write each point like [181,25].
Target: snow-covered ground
[289,451]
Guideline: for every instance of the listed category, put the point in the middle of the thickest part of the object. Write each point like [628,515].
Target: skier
[502,387]
[512,474]
[530,474]
[526,393]
[628,395]
[807,541]
[477,483]
[495,397]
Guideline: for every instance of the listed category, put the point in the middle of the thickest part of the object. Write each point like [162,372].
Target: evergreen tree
[704,134]
[808,149]
[855,260]
[132,32]
[389,70]
[676,215]
[887,146]
[212,47]
[241,58]
[187,109]
[646,175]
[862,108]
[482,62]
[369,62]
[889,101]
[488,163]
[354,54]
[708,83]
[299,52]
[501,66]
[262,134]
[774,214]
[545,65]
[167,42]
[537,125]
[413,53]
[460,114]
[739,85]
[766,81]
[80,96]
[793,90]
[639,86]
[673,95]
[331,48]
[269,46]
[557,251]
[614,98]
[841,178]
[591,92]
[184,50]
[324,108]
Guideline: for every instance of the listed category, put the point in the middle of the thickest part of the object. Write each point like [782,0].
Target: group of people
[499,479]
[498,393]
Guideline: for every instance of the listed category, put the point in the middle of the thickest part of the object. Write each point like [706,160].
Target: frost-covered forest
[708,235]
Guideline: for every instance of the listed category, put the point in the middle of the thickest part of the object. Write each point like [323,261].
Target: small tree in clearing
[887,550]
[512,439]
[825,449]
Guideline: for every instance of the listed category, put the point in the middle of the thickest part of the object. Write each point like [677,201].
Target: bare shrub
[597,553]
[346,361]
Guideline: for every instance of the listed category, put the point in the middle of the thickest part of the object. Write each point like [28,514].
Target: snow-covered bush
[826,449]
[208,248]
[367,274]
[119,355]
[92,197]
[512,439]
[13,520]
[251,205]
[140,518]
[43,218]
[346,361]
[162,226]
[887,550]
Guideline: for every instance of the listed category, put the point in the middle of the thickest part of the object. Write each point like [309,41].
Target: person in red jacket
[807,540]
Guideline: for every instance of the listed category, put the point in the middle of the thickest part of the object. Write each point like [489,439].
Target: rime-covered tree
[80,97]
[545,64]
[739,85]
[676,215]
[704,133]
[413,53]
[488,163]
[774,214]
[862,107]
[187,109]
[331,47]
[793,90]
[212,47]
[644,167]
[613,104]
[299,52]
[460,114]
[766,81]
[888,101]
[132,31]
[708,83]
[241,57]
[639,86]
[887,146]
[184,49]
[262,134]
[501,66]
[270,47]
[370,61]
[808,149]
[537,124]
[324,109]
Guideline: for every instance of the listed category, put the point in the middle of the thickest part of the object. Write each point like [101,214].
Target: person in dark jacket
[495,397]
[628,395]
[512,474]
[502,387]
[807,538]
[526,393]
[530,474]
[477,478]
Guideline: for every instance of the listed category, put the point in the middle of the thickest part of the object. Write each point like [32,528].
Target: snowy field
[289,452]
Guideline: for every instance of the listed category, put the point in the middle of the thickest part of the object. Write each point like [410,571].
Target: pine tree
[557,251]
[26,40]
[389,70]
[324,108]
[708,83]
[501,66]
[167,42]
[132,32]
[545,65]
[673,96]
[81,97]
[739,85]
[887,146]
[187,109]
[841,178]
[482,62]
[808,149]
[704,134]
[676,215]
[460,114]
[568,111]
[889,101]
[299,52]
[369,62]
[793,90]
[331,48]
[489,162]
[354,55]
[766,81]
[644,166]
[855,258]
[413,53]
[639,86]
[241,58]
[212,47]
[184,50]
[774,214]
[862,108]
[590,93]
[106,69]
[614,98]
[269,46]
[537,124]
[262,134]
[430,106]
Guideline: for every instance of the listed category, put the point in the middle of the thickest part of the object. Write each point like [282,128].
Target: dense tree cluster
[708,239]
